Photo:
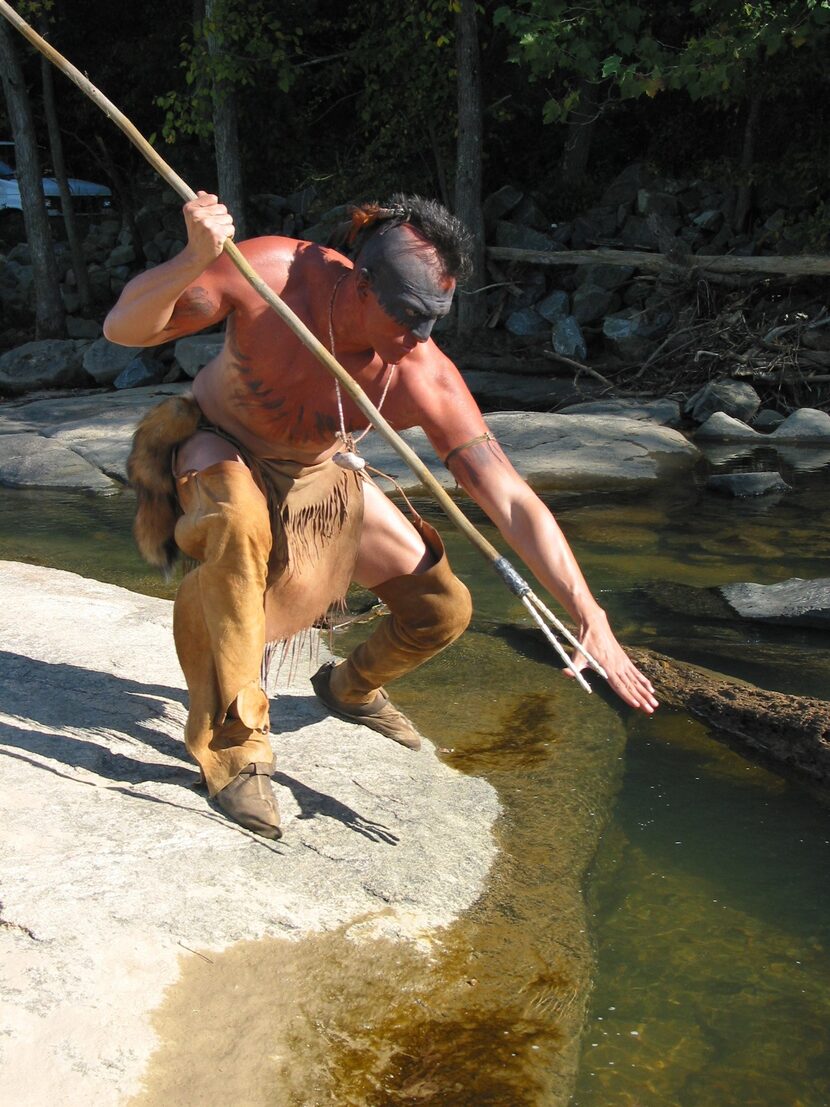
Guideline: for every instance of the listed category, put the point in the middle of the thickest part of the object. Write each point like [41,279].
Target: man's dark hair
[441,229]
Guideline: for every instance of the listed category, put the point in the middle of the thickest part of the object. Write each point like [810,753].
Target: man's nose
[423,330]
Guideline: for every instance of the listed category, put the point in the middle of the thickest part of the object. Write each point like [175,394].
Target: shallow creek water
[708,899]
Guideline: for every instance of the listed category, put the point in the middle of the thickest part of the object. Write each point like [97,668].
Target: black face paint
[405,278]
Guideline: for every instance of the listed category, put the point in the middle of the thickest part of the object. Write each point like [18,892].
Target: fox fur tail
[150,473]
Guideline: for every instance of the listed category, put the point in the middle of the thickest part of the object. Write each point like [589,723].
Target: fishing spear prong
[563,630]
[557,645]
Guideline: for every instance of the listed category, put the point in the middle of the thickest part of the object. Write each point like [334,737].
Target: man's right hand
[208,223]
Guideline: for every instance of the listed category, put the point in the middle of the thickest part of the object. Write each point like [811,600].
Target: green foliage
[229,51]
[710,49]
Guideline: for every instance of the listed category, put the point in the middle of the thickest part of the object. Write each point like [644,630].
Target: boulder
[725,428]
[568,339]
[562,451]
[767,420]
[104,360]
[77,327]
[590,303]
[142,371]
[735,398]
[31,461]
[48,363]
[630,333]
[747,484]
[637,234]
[795,601]
[500,203]
[196,351]
[526,323]
[120,256]
[517,237]
[664,412]
[805,425]
[554,307]
[605,276]
[650,202]
[625,186]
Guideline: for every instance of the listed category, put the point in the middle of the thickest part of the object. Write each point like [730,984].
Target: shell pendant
[348,460]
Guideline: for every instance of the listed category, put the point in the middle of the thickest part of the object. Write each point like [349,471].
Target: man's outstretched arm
[531,530]
[451,418]
[164,303]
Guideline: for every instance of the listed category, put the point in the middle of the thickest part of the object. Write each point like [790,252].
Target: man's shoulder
[291,251]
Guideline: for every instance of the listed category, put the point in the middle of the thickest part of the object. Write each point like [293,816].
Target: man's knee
[431,609]
[225,515]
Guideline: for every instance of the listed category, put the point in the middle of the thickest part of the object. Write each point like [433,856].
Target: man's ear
[364,283]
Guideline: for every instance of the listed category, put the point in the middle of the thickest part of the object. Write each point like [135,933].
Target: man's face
[404,276]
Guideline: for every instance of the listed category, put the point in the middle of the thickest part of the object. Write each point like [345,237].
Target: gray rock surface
[725,428]
[142,371]
[104,360]
[31,461]
[565,451]
[69,434]
[795,601]
[807,425]
[49,363]
[664,412]
[77,432]
[197,350]
[735,398]
[568,339]
[116,869]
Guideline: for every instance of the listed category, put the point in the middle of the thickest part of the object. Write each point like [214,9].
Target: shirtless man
[267,499]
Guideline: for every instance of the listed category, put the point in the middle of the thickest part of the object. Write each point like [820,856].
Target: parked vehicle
[88,198]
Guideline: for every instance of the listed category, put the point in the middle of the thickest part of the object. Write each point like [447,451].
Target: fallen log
[804,265]
[791,730]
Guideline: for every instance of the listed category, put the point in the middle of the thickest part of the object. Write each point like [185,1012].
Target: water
[708,898]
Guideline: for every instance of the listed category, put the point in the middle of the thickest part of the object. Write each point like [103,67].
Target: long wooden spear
[511,578]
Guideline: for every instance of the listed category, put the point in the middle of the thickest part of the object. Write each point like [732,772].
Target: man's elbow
[119,331]
[112,330]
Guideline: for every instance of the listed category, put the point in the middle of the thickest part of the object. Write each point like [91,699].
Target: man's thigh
[390,546]
[203,449]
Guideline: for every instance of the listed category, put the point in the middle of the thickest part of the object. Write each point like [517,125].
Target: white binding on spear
[511,578]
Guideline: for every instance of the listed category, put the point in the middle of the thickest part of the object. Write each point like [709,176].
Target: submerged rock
[797,602]
[747,484]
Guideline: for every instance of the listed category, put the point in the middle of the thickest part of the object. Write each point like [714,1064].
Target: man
[257,478]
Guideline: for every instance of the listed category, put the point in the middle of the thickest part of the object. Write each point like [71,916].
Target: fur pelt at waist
[315,510]
[150,472]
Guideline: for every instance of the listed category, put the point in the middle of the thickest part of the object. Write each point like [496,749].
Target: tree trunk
[50,318]
[225,130]
[471,305]
[580,135]
[56,150]
[744,198]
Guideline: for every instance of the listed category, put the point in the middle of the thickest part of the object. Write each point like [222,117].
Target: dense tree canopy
[358,99]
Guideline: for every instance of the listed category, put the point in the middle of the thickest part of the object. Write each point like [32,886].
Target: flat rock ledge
[83,442]
[114,868]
